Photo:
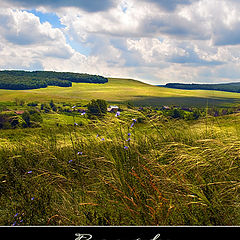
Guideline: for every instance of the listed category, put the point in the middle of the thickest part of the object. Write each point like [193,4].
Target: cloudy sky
[156,41]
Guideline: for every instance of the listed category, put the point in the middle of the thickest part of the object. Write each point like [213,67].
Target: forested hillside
[229,87]
[20,80]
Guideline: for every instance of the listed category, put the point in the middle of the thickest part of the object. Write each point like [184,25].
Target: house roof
[19,112]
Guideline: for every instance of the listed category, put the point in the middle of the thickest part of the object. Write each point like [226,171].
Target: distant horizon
[129,78]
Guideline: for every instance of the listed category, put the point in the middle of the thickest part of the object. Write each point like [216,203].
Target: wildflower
[29,172]
[75,124]
[32,198]
[128,139]
[117,114]
[73,106]
[83,113]
[21,221]
[129,134]
[14,223]
[102,139]
[70,161]
[134,120]
[97,135]
[79,153]
[125,147]
[16,215]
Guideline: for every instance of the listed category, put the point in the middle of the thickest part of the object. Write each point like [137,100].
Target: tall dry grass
[168,173]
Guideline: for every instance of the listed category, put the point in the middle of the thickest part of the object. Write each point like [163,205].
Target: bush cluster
[31,118]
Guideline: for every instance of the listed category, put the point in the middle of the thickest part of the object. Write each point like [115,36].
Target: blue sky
[54,20]
[50,17]
[149,40]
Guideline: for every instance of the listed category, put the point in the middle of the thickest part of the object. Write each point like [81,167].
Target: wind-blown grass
[168,173]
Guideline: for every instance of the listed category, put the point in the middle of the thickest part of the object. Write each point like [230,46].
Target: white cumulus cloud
[154,41]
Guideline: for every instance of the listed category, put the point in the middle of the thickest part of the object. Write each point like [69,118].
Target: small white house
[165,107]
[112,108]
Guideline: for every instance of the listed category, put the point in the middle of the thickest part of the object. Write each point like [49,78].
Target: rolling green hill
[124,90]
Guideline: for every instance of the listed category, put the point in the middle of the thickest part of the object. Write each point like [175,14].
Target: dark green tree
[176,113]
[45,107]
[35,116]
[196,114]
[26,118]
[97,107]
[53,106]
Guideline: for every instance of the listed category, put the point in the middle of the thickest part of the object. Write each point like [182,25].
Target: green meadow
[143,167]
[122,91]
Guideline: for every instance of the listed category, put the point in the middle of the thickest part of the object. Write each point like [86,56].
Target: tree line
[21,80]
[229,87]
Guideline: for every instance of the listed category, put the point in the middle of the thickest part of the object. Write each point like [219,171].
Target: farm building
[165,107]
[19,112]
[112,109]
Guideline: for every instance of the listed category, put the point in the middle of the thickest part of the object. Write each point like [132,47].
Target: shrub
[97,107]
[53,106]
[9,121]
[196,114]
[45,108]
[140,120]
[32,104]
[26,118]
[4,123]
[31,118]
[35,116]
[175,113]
